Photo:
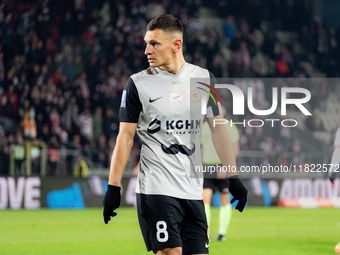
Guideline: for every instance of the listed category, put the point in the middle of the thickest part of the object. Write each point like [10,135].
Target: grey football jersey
[169,124]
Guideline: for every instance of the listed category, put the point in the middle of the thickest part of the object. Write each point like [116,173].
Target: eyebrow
[151,41]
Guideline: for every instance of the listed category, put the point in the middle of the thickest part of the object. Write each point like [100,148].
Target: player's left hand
[238,191]
[111,202]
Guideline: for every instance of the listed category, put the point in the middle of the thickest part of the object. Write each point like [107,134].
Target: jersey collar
[158,70]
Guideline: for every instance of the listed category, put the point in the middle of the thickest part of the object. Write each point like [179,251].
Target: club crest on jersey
[175,97]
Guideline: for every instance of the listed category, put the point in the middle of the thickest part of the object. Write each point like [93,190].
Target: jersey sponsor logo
[123,102]
[181,124]
[175,97]
[195,96]
[154,126]
[153,100]
[175,148]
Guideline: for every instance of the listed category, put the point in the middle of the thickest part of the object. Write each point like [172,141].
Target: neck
[174,66]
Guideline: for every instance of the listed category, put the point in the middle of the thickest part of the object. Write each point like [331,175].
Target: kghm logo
[176,125]
[175,97]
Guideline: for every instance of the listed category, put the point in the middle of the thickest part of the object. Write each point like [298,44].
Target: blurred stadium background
[64,64]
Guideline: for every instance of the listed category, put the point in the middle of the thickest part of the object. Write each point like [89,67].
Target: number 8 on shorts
[162,235]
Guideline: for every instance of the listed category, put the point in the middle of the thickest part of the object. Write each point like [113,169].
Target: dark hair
[165,22]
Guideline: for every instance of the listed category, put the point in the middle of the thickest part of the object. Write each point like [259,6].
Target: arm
[129,112]
[224,149]
[236,148]
[222,144]
[121,152]
[120,157]
[130,109]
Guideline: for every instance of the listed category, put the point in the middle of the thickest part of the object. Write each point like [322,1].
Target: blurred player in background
[81,168]
[335,161]
[217,180]
[169,198]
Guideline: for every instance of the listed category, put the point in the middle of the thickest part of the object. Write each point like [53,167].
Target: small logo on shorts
[206,245]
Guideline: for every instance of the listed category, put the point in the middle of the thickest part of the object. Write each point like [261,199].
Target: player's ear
[177,45]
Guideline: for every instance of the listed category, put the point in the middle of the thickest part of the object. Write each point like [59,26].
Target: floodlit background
[63,66]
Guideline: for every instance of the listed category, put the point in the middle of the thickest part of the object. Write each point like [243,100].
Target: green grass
[255,231]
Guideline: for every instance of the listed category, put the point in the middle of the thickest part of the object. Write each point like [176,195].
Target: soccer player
[217,180]
[81,168]
[335,161]
[156,102]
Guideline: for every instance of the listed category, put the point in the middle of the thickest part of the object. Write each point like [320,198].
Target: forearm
[224,149]
[120,157]
[236,149]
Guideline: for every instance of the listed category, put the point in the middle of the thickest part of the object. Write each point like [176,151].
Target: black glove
[238,191]
[111,202]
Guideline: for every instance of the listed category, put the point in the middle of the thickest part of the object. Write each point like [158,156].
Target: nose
[147,49]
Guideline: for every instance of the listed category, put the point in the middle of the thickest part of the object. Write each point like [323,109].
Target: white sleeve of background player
[337,138]
[336,153]
[335,160]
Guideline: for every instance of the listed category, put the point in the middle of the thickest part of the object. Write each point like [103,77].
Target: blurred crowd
[64,64]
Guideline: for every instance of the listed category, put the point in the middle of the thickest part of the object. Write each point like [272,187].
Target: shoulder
[144,75]
[147,72]
[192,67]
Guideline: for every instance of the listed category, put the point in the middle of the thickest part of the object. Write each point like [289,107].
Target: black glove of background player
[238,191]
[111,202]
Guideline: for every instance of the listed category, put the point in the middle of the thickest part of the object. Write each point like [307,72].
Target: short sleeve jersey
[169,122]
[209,153]
[337,138]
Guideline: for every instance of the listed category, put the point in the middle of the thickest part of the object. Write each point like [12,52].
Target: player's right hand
[111,202]
[238,191]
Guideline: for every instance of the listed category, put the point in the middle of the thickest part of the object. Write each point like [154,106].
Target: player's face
[159,48]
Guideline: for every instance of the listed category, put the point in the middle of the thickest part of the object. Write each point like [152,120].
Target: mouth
[151,60]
